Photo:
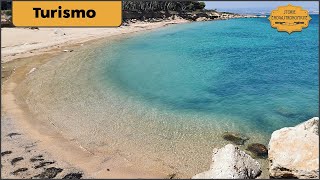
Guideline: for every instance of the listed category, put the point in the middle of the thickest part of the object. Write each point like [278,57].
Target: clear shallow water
[240,68]
[162,99]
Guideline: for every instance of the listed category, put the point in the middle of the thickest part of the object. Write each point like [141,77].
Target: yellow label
[289,18]
[67,13]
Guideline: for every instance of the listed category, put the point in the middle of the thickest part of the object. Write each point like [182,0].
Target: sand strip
[24,42]
[24,138]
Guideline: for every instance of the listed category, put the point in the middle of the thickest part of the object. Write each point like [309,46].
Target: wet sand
[25,138]
[23,42]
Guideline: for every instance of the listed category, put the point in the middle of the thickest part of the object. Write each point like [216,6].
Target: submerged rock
[15,160]
[19,171]
[235,138]
[42,164]
[6,153]
[37,158]
[49,173]
[294,151]
[286,112]
[230,162]
[258,150]
[13,134]
[73,176]
[172,176]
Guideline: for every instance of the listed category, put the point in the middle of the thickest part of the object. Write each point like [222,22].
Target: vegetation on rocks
[154,11]
[147,6]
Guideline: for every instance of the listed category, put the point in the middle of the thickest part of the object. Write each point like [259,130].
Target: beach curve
[22,63]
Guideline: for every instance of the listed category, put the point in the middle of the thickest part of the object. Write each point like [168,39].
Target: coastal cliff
[152,11]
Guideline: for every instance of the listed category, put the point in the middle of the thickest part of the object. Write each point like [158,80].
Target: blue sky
[258,6]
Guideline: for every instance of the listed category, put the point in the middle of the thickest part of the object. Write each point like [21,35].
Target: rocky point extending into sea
[205,15]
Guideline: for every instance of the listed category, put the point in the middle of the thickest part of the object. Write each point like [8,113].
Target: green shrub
[8,12]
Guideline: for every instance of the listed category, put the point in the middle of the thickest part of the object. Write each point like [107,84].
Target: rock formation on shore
[294,151]
[231,163]
[153,11]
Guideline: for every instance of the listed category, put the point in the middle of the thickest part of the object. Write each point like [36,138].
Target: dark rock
[42,164]
[19,170]
[5,153]
[15,160]
[73,176]
[258,150]
[49,173]
[34,28]
[36,158]
[13,134]
[235,138]
[172,176]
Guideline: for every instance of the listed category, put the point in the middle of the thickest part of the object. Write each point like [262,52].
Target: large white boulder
[294,151]
[230,162]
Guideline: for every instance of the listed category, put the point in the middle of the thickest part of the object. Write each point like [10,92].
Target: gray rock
[294,152]
[230,162]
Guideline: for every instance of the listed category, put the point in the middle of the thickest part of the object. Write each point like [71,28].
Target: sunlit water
[162,99]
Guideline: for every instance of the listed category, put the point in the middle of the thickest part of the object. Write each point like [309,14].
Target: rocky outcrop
[149,16]
[231,163]
[154,16]
[294,151]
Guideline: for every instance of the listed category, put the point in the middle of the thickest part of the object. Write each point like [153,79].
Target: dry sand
[26,143]
[25,42]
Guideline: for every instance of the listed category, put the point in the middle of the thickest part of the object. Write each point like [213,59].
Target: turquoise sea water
[160,100]
[240,68]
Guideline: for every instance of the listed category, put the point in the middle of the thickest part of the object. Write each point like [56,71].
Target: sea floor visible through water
[163,99]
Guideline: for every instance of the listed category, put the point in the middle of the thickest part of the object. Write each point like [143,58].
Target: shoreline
[25,65]
[47,137]
[19,43]
[27,134]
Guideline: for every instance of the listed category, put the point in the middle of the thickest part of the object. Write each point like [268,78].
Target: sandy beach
[37,149]
[181,90]
[23,42]
[126,103]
